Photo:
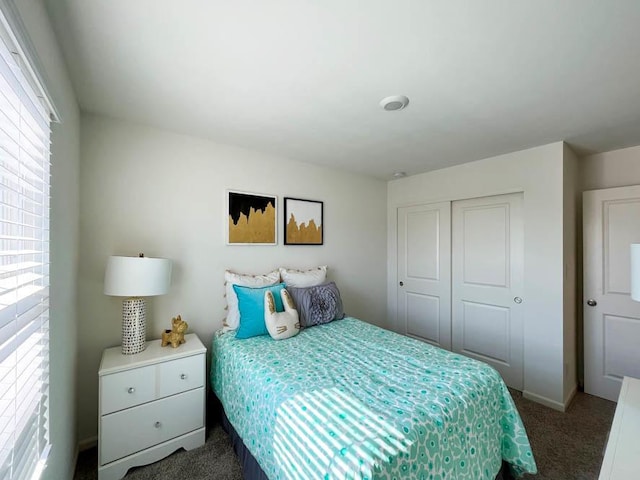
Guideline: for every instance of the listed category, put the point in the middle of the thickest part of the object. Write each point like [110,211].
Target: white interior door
[424,272]
[487,282]
[611,223]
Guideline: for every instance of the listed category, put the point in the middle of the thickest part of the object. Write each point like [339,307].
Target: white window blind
[24,270]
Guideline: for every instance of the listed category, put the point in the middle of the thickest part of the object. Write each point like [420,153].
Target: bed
[348,400]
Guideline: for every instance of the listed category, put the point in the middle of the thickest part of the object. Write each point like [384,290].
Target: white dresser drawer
[127,389]
[138,428]
[180,375]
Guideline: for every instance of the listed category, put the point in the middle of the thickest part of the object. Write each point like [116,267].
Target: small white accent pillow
[244,280]
[280,325]
[304,278]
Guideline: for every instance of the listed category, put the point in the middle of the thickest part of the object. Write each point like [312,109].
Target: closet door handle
[591,302]
[518,300]
[402,284]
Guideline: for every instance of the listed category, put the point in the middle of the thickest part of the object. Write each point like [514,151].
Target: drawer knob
[157,425]
[131,390]
[183,376]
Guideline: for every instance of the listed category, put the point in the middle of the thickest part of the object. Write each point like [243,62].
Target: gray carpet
[570,445]
[566,446]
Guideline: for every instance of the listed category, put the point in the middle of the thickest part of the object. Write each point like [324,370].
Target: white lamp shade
[635,271]
[137,276]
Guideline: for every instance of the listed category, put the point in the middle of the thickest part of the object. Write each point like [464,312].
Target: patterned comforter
[348,400]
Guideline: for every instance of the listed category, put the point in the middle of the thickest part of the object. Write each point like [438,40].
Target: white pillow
[244,280]
[304,278]
[281,325]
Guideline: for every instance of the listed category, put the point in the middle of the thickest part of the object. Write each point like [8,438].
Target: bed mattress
[348,400]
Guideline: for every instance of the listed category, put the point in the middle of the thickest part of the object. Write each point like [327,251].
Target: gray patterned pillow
[317,305]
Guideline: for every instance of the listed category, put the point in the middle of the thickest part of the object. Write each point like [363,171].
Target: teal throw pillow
[251,306]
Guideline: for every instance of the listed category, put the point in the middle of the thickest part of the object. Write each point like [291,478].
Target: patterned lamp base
[133,326]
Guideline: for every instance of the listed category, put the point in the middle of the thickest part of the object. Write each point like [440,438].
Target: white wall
[572,225]
[538,173]
[618,168]
[64,243]
[144,189]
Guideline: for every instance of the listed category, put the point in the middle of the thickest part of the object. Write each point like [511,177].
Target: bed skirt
[251,469]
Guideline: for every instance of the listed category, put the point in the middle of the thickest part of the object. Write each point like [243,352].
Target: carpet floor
[566,446]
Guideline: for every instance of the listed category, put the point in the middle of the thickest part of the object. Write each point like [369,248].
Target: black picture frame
[248,205]
[303,229]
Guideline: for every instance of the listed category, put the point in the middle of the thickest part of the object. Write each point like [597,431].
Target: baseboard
[74,465]
[547,402]
[569,398]
[87,443]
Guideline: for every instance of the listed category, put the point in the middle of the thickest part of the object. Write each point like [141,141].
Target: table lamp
[635,271]
[136,278]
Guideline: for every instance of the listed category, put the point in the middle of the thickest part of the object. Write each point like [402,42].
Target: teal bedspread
[348,400]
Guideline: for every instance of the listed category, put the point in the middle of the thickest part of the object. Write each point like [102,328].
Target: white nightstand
[622,456]
[151,404]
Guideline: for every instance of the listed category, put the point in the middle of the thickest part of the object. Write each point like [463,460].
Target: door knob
[402,284]
[591,302]
[517,300]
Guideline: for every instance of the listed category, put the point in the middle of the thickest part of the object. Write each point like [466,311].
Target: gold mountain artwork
[256,227]
[303,233]
[252,218]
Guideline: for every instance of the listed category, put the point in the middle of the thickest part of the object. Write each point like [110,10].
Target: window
[24,266]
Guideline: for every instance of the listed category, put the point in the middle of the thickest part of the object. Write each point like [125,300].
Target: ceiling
[303,79]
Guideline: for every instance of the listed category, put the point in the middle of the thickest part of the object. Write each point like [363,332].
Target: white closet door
[424,272]
[611,220]
[487,284]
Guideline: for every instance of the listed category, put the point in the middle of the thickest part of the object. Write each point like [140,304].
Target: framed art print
[303,222]
[251,218]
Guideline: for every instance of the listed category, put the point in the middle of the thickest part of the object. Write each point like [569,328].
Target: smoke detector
[394,102]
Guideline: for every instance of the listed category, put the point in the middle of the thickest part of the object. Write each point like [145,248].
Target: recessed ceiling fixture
[394,102]
[399,174]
